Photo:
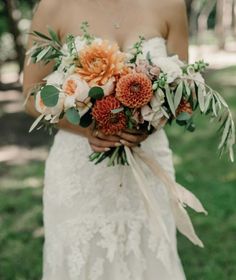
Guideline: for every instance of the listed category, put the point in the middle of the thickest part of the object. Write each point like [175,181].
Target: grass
[197,168]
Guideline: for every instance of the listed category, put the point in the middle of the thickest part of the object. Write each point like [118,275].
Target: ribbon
[179,197]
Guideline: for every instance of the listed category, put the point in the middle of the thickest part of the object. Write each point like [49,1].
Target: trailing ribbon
[179,197]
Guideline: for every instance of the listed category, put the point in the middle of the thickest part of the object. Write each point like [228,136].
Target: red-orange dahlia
[134,90]
[108,122]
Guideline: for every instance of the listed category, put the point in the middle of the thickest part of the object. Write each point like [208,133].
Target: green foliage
[49,95]
[96,93]
[73,116]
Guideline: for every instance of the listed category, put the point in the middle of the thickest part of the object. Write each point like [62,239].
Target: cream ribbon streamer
[179,196]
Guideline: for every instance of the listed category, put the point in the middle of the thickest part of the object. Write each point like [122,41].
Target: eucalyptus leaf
[96,93]
[170,100]
[178,95]
[49,95]
[191,127]
[73,116]
[184,116]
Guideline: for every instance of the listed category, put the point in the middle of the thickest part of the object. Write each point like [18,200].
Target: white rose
[75,86]
[171,66]
[69,102]
[153,114]
[55,78]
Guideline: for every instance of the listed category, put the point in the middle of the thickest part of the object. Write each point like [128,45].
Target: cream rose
[171,66]
[50,111]
[75,86]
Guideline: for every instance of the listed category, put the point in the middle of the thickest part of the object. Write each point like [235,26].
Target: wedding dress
[97,226]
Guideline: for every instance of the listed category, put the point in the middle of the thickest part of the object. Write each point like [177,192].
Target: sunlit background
[212,37]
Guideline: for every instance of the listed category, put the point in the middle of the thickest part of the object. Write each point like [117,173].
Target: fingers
[99,149]
[132,138]
[103,145]
[100,135]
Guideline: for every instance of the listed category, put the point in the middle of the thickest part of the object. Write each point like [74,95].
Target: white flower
[109,87]
[153,114]
[171,66]
[55,78]
[85,109]
[75,86]
[69,102]
[49,112]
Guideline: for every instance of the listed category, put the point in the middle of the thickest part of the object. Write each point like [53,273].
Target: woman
[96,224]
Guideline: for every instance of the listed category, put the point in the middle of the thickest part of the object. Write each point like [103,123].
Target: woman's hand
[99,142]
[132,138]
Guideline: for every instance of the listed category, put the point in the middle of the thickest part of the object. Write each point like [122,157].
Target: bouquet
[95,83]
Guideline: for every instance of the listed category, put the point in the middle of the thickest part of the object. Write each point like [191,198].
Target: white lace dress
[96,224]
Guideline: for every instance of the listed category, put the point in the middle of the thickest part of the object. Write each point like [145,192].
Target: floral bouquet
[94,83]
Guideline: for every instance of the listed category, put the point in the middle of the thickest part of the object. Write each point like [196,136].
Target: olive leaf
[165,113]
[225,132]
[178,95]
[187,88]
[118,110]
[54,36]
[41,35]
[201,97]
[170,100]
[214,107]
[207,103]
[42,54]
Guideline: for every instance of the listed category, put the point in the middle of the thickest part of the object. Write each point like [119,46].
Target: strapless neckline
[127,46]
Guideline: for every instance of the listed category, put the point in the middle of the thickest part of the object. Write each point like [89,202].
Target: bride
[96,224]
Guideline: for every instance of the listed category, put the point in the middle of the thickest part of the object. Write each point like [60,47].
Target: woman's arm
[47,14]
[177,22]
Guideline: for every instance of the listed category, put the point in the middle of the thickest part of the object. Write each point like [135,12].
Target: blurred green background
[212,36]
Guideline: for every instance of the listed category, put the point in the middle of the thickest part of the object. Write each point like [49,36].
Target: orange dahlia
[99,62]
[108,122]
[134,90]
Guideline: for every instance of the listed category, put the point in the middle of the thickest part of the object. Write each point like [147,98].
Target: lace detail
[97,225]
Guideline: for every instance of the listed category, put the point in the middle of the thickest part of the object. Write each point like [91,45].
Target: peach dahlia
[99,62]
[134,90]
